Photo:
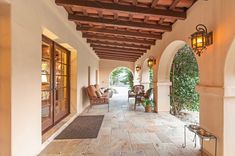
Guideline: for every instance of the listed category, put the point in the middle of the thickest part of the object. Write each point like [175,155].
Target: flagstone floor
[125,132]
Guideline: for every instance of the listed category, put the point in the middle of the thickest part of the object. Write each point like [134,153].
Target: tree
[184,77]
[121,76]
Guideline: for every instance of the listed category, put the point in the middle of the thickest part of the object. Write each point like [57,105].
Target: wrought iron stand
[202,134]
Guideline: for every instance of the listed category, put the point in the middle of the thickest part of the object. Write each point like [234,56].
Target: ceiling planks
[128,24]
[122,8]
[124,29]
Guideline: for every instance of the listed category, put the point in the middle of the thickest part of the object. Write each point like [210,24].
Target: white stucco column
[163,96]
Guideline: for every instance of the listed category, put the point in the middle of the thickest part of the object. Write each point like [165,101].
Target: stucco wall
[29,19]
[107,66]
[218,16]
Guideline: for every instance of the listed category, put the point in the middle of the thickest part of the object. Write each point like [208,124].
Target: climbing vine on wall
[184,77]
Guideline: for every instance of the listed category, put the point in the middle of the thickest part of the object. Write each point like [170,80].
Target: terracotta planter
[148,109]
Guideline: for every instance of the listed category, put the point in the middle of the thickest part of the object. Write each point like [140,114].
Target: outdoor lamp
[151,61]
[137,68]
[201,39]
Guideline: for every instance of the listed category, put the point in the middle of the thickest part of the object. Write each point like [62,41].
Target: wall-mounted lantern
[151,61]
[137,68]
[201,39]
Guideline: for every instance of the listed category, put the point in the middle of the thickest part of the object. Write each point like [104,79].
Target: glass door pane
[46,84]
[61,83]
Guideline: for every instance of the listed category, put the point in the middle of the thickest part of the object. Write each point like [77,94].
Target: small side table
[202,134]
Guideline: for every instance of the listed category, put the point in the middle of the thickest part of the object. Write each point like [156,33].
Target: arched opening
[121,80]
[147,76]
[229,101]
[184,100]
[163,76]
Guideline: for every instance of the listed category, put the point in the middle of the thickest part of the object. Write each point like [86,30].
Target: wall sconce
[201,39]
[151,61]
[137,68]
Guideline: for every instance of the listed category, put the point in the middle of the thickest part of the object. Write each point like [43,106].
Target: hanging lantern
[201,39]
[151,61]
[137,68]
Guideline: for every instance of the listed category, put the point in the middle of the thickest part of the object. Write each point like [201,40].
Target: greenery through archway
[184,77]
[121,76]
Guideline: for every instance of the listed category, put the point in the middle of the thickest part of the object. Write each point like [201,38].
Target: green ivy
[184,77]
[122,75]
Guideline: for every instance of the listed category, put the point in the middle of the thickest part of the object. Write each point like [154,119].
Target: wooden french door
[55,83]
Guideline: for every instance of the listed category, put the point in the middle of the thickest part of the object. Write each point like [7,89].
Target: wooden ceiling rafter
[120,40]
[127,33]
[135,46]
[117,55]
[115,50]
[119,23]
[174,4]
[122,53]
[154,3]
[116,7]
[124,29]
[118,59]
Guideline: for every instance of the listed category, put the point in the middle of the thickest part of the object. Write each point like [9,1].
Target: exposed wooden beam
[134,46]
[122,56]
[128,24]
[118,53]
[117,48]
[173,5]
[123,8]
[154,3]
[118,32]
[120,40]
[119,59]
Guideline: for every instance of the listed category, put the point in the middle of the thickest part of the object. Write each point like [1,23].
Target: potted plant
[148,104]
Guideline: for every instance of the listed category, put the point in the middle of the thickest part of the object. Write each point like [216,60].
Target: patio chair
[135,90]
[140,96]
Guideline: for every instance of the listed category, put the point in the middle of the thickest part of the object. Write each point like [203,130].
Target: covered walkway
[125,132]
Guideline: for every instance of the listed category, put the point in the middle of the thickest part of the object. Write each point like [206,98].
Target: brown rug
[83,127]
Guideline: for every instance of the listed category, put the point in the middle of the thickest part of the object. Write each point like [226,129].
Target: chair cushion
[98,93]
[132,94]
[91,91]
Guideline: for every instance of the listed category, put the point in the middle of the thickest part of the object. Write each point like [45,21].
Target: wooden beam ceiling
[174,3]
[120,40]
[124,29]
[119,53]
[118,58]
[117,48]
[118,32]
[116,51]
[126,24]
[116,7]
[135,46]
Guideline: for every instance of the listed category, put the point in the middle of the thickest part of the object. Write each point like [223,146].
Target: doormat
[83,127]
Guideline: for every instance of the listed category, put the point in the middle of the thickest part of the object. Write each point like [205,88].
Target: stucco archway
[229,101]
[163,76]
[118,68]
